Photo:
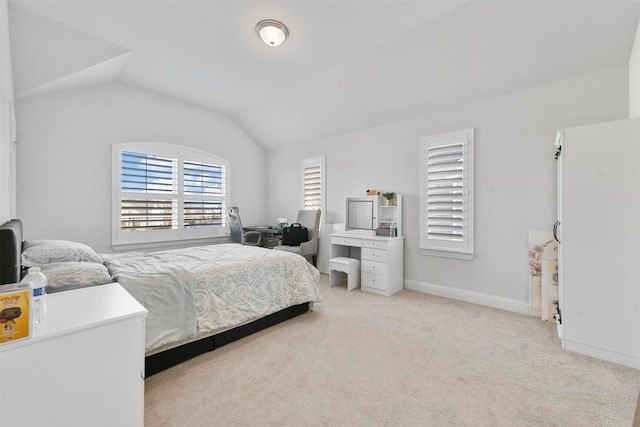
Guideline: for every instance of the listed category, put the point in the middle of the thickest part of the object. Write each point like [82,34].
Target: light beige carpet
[411,359]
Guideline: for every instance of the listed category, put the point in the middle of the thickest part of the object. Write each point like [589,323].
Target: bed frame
[167,358]
[11,271]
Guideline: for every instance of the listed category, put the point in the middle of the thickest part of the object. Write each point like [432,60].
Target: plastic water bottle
[393,230]
[38,282]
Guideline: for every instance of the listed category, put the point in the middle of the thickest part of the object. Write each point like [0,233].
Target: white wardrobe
[599,233]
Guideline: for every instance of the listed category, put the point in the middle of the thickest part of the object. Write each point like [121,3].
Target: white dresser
[82,366]
[381,260]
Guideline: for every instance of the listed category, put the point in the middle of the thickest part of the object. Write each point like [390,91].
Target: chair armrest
[310,247]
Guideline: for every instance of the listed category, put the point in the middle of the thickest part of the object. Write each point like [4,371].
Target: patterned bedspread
[193,291]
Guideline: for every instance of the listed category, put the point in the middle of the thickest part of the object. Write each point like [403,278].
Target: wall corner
[634,76]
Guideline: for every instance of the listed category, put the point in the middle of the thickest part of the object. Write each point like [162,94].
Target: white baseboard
[522,307]
[507,304]
[601,353]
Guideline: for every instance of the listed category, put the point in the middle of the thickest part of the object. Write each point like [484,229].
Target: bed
[198,298]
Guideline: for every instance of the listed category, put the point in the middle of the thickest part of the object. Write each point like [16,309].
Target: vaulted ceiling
[347,65]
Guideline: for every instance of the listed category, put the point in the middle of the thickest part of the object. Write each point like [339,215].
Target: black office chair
[238,235]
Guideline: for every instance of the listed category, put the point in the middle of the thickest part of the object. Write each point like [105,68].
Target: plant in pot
[389,196]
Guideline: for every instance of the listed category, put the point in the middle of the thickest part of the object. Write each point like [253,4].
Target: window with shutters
[165,193]
[446,199]
[313,184]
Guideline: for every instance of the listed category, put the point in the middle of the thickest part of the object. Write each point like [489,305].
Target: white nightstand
[83,365]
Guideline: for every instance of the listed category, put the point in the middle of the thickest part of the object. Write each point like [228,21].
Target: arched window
[166,193]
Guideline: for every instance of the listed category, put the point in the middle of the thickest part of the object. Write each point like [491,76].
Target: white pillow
[64,276]
[36,253]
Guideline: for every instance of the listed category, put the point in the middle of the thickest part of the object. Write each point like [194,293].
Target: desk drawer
[379,255]
[374,281]
[374,267]
[346,241]
[375,244]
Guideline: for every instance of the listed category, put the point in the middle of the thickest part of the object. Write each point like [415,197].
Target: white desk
[381,260]
[82,366]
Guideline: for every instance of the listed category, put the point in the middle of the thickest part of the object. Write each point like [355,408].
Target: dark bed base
[173,356]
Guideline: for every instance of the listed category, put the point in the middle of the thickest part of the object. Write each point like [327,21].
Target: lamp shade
[272,32]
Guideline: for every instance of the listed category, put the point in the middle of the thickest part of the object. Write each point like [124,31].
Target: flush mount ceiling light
[272,32]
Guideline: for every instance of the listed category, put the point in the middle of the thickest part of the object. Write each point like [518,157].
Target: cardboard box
[15,312]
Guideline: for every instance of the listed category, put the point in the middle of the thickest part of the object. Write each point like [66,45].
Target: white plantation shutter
[204,189]
[445,191]
[147,214]
[165,192]
[313,183]
[144,179]
[312,187]
[203,178]
[447,194]
[146,173]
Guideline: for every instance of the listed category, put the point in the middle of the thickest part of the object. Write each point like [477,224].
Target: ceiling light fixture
[272,32]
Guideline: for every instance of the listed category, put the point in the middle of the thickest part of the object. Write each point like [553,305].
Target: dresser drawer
[375,281]
[379,244]
[374,267]
[346,241]
[379,255]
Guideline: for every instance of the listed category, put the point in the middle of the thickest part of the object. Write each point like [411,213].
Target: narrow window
[313,184]
[446,196]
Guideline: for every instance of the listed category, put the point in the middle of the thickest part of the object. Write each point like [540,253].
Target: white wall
[515,179]
[64,159]
[634,77]
[6,128]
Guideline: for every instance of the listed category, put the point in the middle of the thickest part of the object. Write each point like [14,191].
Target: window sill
[172,244]
[466,256]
